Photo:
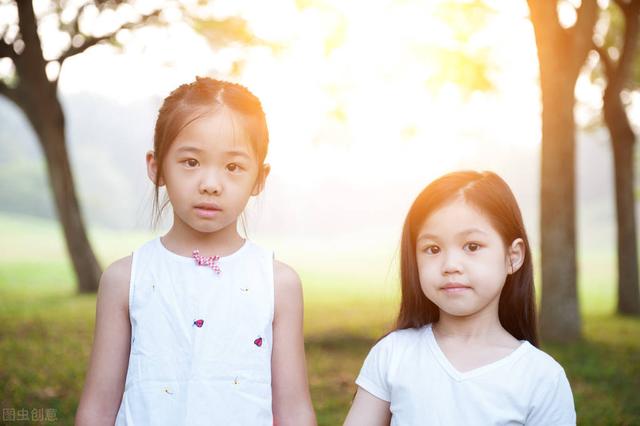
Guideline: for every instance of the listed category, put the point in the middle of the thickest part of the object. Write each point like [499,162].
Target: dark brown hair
[492,196]
[204,96]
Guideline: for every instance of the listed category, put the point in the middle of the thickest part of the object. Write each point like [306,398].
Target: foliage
[612,23]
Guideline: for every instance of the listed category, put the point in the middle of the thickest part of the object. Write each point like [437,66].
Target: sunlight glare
[348,85]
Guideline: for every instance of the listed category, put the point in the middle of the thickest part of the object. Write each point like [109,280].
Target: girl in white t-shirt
[464,350]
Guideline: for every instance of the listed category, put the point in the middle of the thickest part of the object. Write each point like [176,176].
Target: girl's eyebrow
[189,149]
[472,231]
[427,237]
[195,150]
[459,234]
[235,153]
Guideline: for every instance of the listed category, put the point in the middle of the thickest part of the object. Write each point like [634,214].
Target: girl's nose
[211,183]
[451,263]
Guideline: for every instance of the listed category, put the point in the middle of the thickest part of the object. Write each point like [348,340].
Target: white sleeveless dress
[200,341]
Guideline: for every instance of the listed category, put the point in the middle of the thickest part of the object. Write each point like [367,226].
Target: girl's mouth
[207,209]
[455,288]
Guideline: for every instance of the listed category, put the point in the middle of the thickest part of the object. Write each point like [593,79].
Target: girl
[200,326]
[464,350]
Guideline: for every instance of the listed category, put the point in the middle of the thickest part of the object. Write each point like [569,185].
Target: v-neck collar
[460,376]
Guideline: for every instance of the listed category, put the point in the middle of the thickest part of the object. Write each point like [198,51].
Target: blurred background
[366,103]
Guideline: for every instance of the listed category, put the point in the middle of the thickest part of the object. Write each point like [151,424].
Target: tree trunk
[51,136]
[623,140]
[37,97]
[559,312]
[561,54]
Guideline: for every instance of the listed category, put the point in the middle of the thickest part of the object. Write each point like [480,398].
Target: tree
[618,74]
[561,55]
[35,92]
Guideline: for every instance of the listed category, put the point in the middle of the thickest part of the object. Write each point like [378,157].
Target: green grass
[46,329]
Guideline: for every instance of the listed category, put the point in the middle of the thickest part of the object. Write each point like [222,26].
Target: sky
[365,96]
[348,79]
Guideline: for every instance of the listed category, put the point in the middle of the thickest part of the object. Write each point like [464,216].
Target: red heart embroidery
[198,323]
[258,342]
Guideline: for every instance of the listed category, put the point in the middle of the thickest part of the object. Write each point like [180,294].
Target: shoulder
[390,354]
[285,278]
[287,287]
[114,283]
[541,370]
[541,362]
[403,337]
[409,334]
[397,342]
[118,271]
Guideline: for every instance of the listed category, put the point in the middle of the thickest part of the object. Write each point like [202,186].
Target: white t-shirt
[408,369]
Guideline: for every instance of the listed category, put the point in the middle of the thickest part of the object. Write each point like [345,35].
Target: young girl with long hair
[465,348]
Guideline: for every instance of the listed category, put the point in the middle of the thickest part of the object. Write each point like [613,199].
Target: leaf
[224,31]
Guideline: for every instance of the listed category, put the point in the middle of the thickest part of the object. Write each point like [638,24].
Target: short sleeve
[373,375]
[553,405]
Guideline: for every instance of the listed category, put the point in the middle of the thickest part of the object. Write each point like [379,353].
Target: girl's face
[462,260]
[210,171]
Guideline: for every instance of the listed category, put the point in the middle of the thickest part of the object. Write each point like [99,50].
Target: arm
[290,388]
[105,380]
[368,410]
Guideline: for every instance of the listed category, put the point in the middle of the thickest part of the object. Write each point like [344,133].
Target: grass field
[46,329]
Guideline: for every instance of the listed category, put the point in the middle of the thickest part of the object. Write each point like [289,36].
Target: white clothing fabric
[200,341]
[408,369]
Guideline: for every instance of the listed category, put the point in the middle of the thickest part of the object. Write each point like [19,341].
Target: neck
[183,239]
[483,325]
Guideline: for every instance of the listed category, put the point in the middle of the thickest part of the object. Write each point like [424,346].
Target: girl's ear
[515,255]
[262,177]
[152,168]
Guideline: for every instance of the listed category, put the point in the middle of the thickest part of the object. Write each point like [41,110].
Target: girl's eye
[191,162]
[233,167]
[472,247]
[432,250]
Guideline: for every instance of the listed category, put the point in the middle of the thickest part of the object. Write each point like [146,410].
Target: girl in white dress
[200,326]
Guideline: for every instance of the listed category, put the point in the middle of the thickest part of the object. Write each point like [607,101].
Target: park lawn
[46,332]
